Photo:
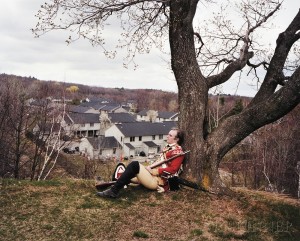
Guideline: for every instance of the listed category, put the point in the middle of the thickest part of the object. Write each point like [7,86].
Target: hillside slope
[69,210]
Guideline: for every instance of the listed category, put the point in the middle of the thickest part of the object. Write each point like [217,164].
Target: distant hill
[145,98]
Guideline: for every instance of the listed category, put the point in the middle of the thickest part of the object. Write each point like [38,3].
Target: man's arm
[173,167]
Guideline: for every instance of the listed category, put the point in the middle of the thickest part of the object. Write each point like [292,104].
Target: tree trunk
[207,150]
[191,84]
[202,164]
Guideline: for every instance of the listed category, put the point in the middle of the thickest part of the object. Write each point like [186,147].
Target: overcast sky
[50,58]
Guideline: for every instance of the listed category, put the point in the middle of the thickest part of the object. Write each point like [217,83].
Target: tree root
[220,189]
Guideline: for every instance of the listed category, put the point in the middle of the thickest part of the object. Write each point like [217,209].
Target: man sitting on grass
[154,179]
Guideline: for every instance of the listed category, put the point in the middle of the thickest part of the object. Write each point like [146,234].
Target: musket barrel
[156,164]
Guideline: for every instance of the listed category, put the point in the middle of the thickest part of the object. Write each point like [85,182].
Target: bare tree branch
[198,51]
[244,55]
[144,23]
[274,75]
[236,128]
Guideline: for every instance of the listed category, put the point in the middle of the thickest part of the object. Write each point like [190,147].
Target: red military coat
[171,167]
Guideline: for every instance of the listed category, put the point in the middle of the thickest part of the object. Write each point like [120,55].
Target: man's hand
[149,170]
[153,172]
[160,189]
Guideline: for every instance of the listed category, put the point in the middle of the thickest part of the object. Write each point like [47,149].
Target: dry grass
[68,209]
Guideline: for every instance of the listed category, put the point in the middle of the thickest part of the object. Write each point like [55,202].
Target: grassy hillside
[68,209]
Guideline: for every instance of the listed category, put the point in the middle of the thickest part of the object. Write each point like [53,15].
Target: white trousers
[146,179]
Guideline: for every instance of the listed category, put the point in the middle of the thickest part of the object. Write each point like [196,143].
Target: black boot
[108,193]
[130,172]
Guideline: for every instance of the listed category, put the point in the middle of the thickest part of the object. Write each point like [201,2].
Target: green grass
[68,209]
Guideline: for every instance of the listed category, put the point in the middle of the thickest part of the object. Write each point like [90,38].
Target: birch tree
[53,141]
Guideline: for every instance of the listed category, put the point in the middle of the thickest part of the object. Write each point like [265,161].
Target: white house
[156,116]
[100,147]
[82,109]
[137,137]
[93,124]
[82,124]
[104,105]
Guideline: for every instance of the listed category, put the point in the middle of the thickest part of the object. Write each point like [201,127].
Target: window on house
[82,125]
[161,137]
[153,137]
[91,124]
[132,138]
[140,138]
[114,150]
[121,138]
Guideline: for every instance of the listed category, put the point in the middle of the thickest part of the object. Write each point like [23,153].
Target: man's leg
[130,172]
[146,179]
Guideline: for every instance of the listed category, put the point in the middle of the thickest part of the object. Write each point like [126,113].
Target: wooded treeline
[267,159]
[146,98]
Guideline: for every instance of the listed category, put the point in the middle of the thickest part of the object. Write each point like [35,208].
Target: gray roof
[82,118]
[160,114]
[142,112]
[150,143]
[131,147]
[79,109]
[146,128]
[109,142]
[103,142]
[101,106]
[94,105]
[121,117]
[127,108]
[109,107]
[167,114]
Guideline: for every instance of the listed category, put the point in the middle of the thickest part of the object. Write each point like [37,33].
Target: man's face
[171,138]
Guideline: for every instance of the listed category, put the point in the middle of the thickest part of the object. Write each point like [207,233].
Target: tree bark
[192,87]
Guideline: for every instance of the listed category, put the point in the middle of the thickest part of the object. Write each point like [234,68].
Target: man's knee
[134,166]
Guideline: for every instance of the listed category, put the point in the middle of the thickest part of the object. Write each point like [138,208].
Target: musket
[104,185]
[159,163]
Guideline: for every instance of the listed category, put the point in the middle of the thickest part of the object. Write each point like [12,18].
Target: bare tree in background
[48,136]
[6,166]
[273,154]
[15,122]
[54,142]
[202,57]
[39,135]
